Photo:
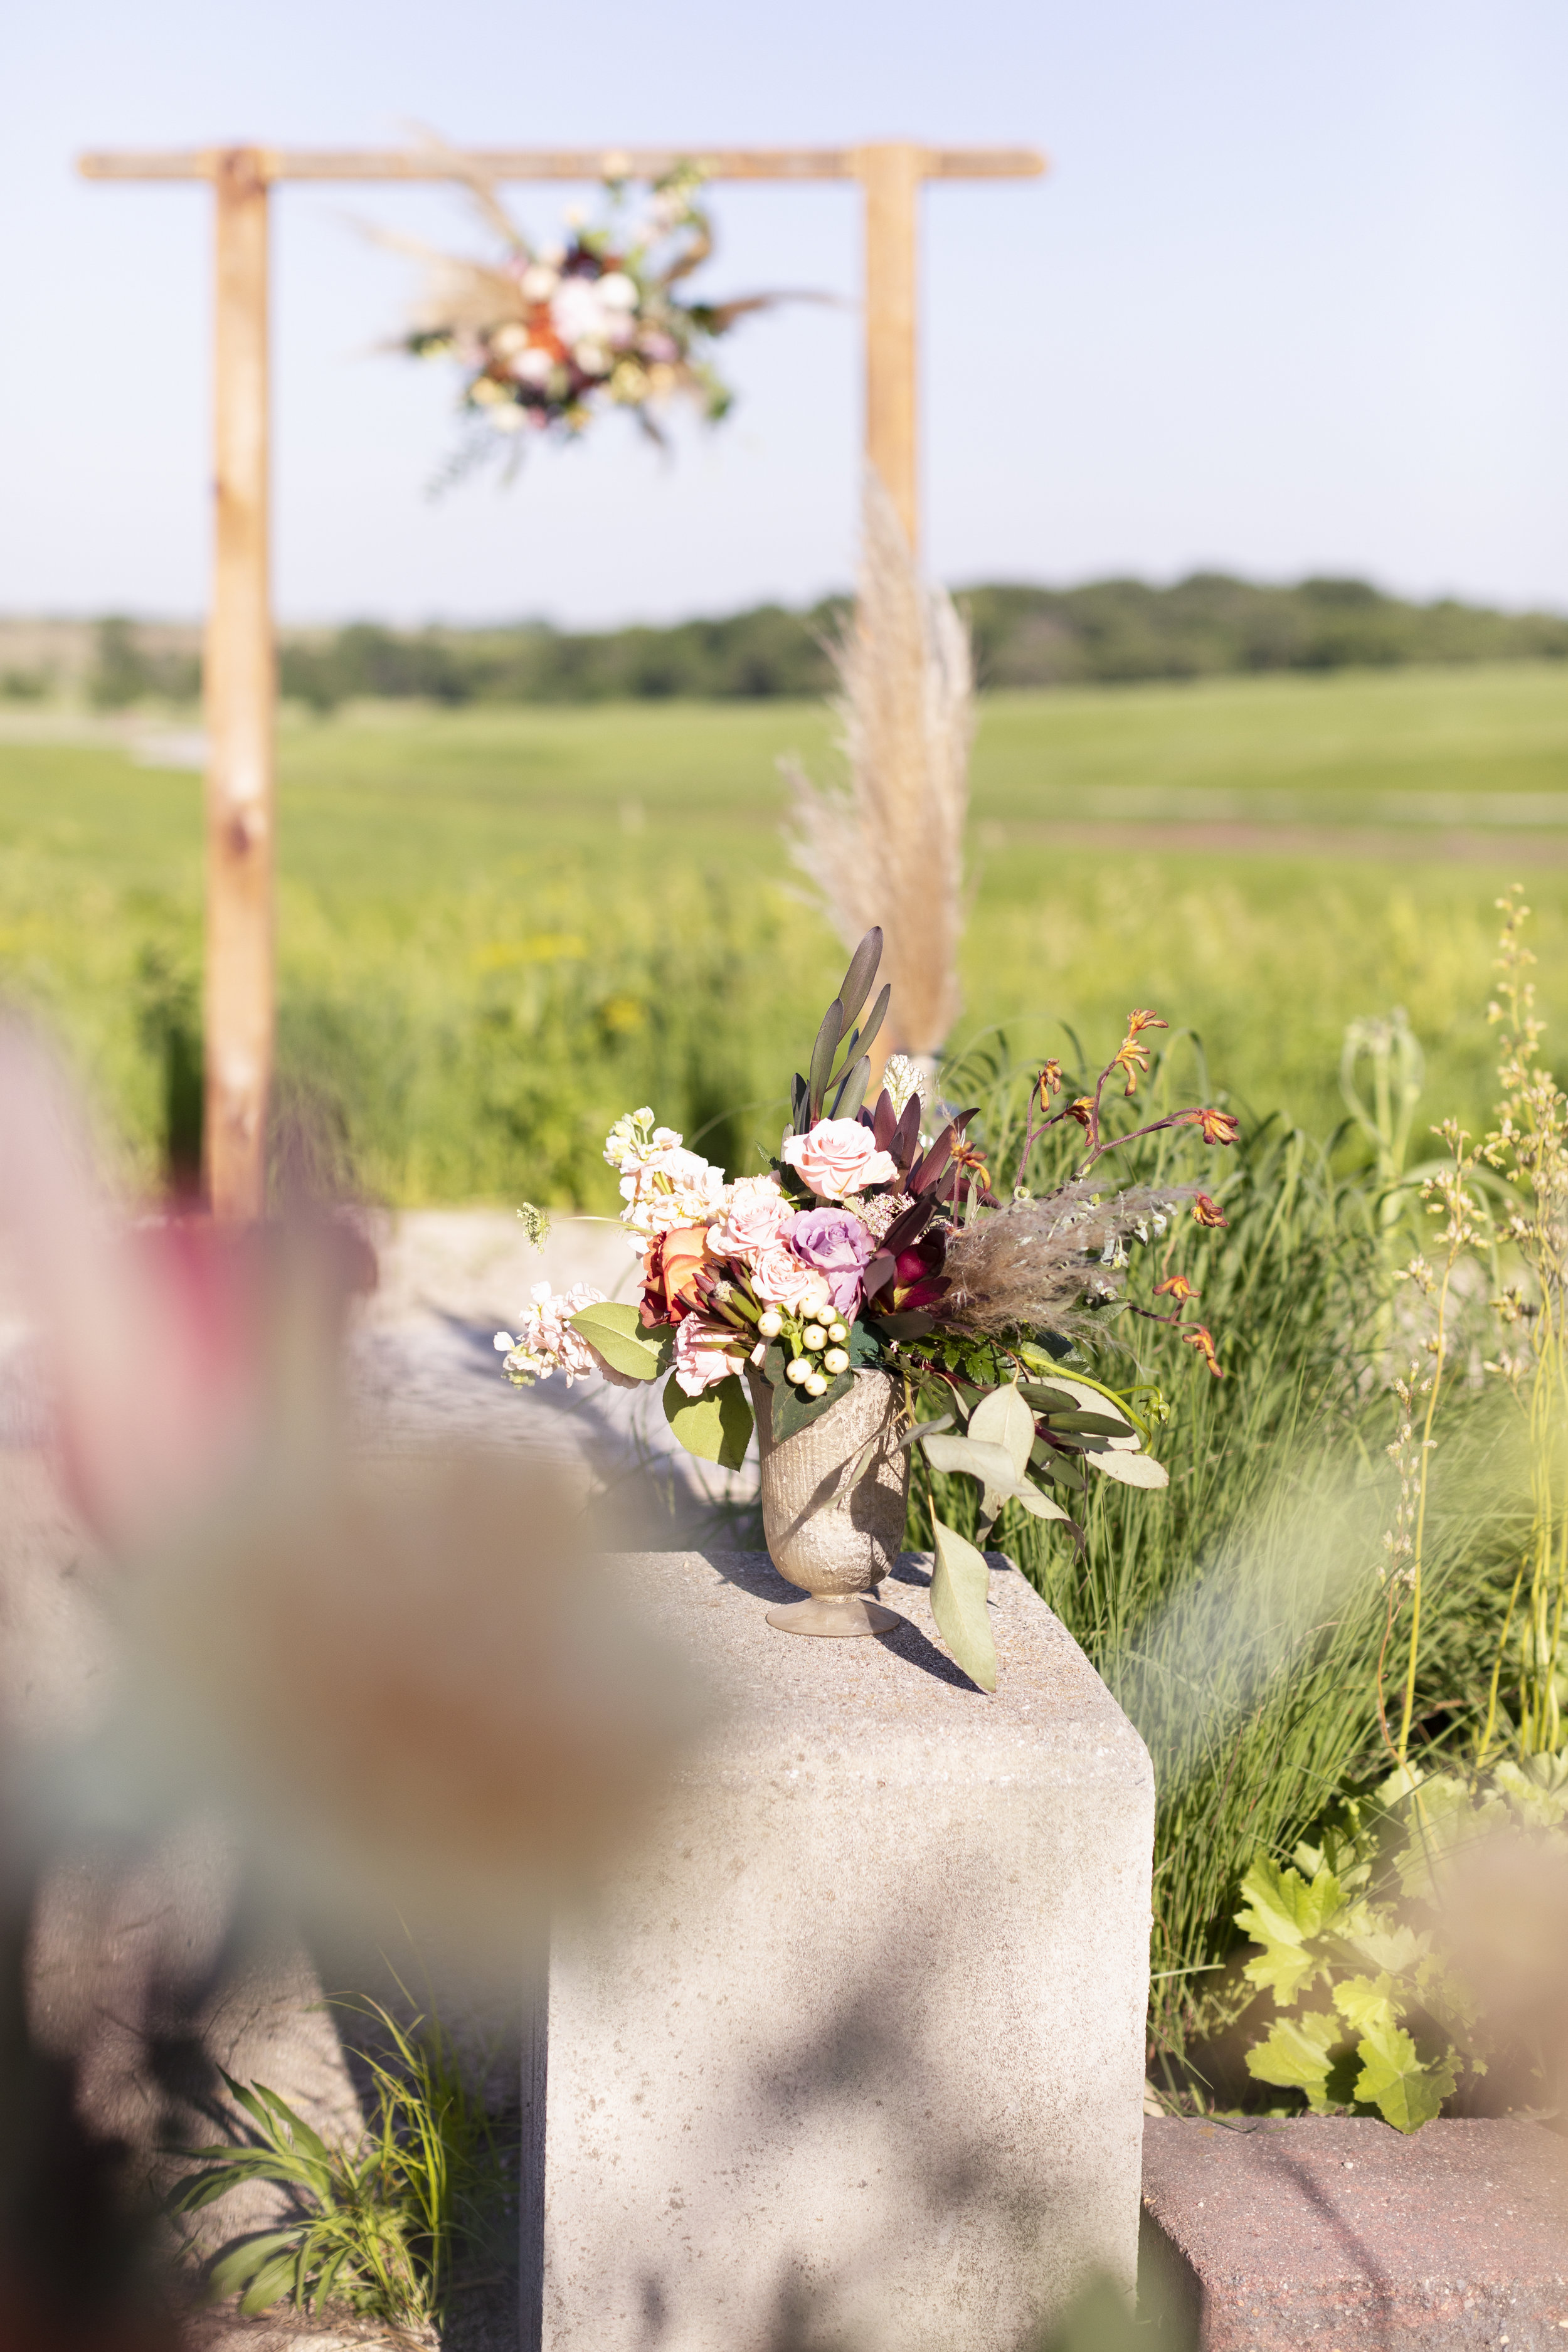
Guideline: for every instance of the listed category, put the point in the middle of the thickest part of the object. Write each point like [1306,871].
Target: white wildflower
[903,1077]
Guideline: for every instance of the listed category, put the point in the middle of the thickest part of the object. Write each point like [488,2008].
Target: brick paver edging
[1330,2235]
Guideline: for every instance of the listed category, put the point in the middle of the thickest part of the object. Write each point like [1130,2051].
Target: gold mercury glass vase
[834,1496]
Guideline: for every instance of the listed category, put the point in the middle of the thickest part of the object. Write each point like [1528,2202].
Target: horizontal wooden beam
[563,164]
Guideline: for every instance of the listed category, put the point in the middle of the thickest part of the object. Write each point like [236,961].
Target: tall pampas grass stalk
[888,849]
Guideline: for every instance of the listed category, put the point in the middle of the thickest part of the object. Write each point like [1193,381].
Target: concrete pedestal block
[851,2052]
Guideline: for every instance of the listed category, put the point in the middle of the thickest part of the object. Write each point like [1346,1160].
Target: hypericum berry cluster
[820,1351]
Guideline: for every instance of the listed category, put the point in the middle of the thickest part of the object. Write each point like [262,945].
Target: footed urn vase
[833,1506]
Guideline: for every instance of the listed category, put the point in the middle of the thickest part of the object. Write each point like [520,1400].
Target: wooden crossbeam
[239,669]
[565,163]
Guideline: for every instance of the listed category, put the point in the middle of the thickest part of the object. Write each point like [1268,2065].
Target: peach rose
[671,1268]
[838,1157]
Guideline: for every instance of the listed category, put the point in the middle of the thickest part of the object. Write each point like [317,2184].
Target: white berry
[815,1385]
[835,1360]
[771,1323]
[799,1370]
[838,1333]
[813,1336]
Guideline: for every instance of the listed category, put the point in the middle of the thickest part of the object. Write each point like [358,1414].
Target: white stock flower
[544,1342]
[630,1144]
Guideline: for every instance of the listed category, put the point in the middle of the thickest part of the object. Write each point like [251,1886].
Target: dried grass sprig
[1039,1265]
[889,849]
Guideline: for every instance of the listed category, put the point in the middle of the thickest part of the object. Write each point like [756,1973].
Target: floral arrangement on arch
[548,334]
[871,1244]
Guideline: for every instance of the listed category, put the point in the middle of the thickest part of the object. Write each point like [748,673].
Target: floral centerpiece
[867,1296]
[551,333]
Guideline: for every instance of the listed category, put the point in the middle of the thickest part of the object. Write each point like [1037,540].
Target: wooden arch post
[241,812]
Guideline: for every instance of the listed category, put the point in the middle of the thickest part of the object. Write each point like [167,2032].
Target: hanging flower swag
[551,334]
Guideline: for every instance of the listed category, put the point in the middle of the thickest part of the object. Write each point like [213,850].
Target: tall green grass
[1238,1615]
[498,929]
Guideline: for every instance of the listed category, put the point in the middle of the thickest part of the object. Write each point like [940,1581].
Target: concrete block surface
[851,2051]
[1340,2234]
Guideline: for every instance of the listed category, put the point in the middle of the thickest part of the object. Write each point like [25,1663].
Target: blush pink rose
[755,1217]
[779,1278]
[838,1157]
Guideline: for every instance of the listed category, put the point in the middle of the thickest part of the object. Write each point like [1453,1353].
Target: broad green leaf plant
[1372,2016]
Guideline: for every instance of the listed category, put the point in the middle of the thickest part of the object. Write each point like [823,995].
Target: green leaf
[243,2262]
[1366,2003]
[1287,1971]
[793,1409]
[716,1426]
[1299,2055]
[268,2285]
[1004,1419]
[960,1591]
[612,1330]
[1405,2091]
[1282,1908]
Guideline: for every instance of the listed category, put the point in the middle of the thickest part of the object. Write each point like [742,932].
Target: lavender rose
[838,1246]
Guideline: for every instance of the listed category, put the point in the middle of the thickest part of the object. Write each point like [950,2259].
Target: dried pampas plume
[889,850]
[1038,1264]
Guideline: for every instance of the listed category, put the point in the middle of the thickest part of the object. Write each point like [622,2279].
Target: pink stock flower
[755,1217]
[838,1157]
[706,1352]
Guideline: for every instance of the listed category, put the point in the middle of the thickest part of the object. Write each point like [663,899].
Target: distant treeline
[1113,631]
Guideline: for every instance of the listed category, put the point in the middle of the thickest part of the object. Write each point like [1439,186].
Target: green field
[498,927]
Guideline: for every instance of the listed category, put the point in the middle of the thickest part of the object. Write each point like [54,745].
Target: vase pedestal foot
[836,1619]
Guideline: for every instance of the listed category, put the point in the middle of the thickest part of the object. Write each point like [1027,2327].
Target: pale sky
[1292,300]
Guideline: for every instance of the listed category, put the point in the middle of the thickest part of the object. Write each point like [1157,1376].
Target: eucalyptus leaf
[1052,1463]
[959,1592]
[716,1426]
[974,1458]
[603,1328]
[1055,1398]
[1004,1419]
[924,1429]
[1089,1424]
[1131,1469]
[1039,1506]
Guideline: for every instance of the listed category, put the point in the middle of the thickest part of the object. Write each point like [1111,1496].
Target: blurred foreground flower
[399,1683]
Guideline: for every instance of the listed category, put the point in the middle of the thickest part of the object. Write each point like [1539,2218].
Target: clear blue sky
[1292,298]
